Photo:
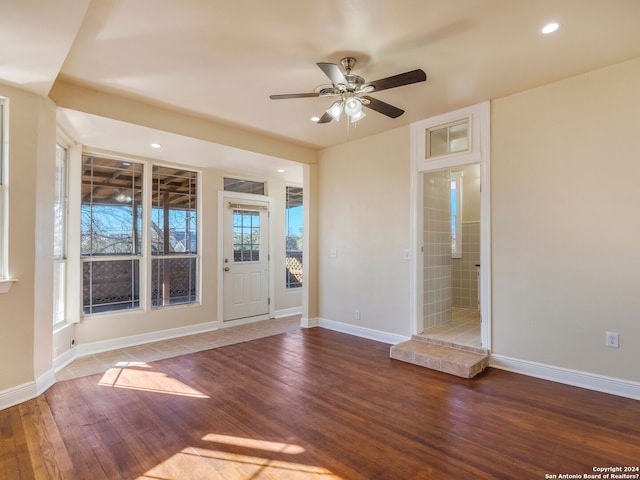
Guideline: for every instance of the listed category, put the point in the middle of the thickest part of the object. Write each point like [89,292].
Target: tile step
[453,359]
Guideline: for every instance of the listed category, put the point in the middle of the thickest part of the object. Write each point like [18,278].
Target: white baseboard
[123,342]
[308,322]
[15,395]
[65,359]
[287,312]
[590,381]
[371,334]
[44,382]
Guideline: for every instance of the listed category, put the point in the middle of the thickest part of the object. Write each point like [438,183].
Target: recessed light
[549,28]
[315,119]
[281,170]
[155,145]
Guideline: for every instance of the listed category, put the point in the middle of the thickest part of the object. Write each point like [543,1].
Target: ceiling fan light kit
[335,111]
[352,89]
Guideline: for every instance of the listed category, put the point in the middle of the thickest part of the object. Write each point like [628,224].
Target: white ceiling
[221,59]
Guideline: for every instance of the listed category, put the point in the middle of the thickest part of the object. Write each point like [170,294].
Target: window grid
[240,185]
[246,236]
[293,237]
[60,236]
[174,266]
[111,234]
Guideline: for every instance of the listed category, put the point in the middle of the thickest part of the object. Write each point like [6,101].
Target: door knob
[226,269]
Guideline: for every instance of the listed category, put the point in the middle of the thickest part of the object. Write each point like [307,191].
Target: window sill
[5,285]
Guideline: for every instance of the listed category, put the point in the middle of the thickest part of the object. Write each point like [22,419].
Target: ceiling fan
[352,91]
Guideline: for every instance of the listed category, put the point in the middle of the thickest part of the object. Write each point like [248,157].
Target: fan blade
[407,78]
[383,107]
[293,95]
[326,118]
[334,73]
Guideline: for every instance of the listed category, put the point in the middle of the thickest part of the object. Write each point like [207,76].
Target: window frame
[298,283]
[137,248]
[60,260]
[244,185]
[160,260]
[428,155]
[456,218]
[5,283]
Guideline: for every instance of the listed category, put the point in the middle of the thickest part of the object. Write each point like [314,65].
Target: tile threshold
[154,351]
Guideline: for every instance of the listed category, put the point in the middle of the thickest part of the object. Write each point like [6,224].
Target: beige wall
[364,215]
[26,311]
[565,197]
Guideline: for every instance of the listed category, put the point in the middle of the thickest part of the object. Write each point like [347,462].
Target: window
[174,237]
[239,185]
[456,214]
[3,190]
[246,235]
[111,234]
[60,236]
[447,139]
[293,227]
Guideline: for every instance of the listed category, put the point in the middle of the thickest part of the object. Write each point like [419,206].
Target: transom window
[447,139]
[240,185]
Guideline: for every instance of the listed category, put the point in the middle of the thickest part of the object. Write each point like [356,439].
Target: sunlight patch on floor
[203,463]
[254,443]
[143,378]
[237,458]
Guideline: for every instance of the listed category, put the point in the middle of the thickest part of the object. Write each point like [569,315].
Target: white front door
[245,261]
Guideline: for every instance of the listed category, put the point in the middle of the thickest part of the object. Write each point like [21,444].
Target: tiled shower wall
[437,249]
[464,275]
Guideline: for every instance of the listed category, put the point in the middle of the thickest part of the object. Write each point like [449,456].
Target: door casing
[223,198]
[479,153]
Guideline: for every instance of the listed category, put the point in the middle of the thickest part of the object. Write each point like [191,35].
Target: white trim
[576,378]
[371,334]
[309,322]
[133,340]
[222,198]
[5,285]
[287,312]
[26,391]
[245,321]
[65,359]
[486,319]
[44,382]
[15,395]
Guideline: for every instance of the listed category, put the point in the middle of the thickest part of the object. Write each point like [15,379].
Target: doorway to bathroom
[450,212]
[451,256]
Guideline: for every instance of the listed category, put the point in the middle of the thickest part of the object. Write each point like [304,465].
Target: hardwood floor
[312,404]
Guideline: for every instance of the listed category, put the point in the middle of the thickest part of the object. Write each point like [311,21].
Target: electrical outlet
[357,315]
[73,343]
[613,339]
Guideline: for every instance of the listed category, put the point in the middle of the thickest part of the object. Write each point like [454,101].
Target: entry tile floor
[149,352]
[463,329]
